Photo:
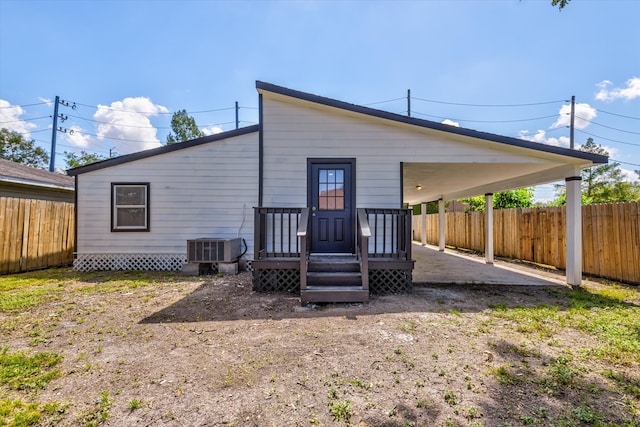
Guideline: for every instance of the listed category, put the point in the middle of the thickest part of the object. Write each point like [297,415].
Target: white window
[130,207]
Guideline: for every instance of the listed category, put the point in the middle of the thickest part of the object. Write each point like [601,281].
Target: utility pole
[409,102]
[54,131]
[237,122]
[573,117]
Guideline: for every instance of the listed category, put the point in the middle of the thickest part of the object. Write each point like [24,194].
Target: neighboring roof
[268,87]
[161,150]
[22,174]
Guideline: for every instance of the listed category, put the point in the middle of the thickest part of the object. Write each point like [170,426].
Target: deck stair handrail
[364,232]
[275,232]
[303,235]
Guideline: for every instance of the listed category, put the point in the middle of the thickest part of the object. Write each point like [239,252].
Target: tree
[476,203]
[16,148]
[601,184]
[184,128]
[518,198]
[560,3]
[84,158]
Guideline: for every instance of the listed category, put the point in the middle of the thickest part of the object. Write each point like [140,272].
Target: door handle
[313,211]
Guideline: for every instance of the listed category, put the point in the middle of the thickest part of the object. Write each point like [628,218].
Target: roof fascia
[507,140]
[161,150]
[34,183]
[30,184]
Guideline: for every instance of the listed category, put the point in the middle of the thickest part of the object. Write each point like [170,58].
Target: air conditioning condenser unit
[213,250]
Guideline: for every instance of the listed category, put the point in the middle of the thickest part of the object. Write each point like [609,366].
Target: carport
[493,163]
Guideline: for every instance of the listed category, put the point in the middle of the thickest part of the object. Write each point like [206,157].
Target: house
[316,191]
[26,182]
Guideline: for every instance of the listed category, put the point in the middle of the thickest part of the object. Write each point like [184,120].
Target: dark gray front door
[331,196]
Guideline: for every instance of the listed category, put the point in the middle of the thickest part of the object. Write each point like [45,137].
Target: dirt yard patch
[164,350]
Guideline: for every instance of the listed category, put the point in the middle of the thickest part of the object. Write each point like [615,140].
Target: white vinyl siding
[295,131]
[204,191]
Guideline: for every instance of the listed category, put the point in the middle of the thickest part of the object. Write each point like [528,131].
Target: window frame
[114,217]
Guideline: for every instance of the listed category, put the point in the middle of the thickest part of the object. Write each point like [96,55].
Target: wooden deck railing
[285,233]
[391,231]
[275,232]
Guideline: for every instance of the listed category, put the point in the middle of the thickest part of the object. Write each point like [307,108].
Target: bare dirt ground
[209,351]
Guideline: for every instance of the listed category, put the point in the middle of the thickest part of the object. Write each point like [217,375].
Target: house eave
[263,87]
[27,183]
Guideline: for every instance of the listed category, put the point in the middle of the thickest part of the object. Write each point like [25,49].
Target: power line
[486,121]
[155,112]
[118,125]
[384,102]
[24,120]
[488,105]
[626,163]
[608,127]
[24,105]
[619,115]
[110,137]
[607,139]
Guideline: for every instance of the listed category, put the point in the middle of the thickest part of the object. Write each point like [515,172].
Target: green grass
[21,371]
[99,413]
[505,375]
[341,411]
[22,291]
[16,413]
[604,312]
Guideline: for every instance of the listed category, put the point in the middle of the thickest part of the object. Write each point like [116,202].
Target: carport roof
[269,87]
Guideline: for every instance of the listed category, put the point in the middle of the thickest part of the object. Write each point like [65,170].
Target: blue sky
[151,58]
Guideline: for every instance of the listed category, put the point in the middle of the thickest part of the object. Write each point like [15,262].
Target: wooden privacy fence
[610,236]
[35,234]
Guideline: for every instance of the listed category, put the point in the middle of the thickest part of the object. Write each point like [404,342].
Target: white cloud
[10,119]
[126,124]
[631,91]
[77,138]
[583,114]
[47,101]
[541,137]
[211,130]
[450,123]
[629,175]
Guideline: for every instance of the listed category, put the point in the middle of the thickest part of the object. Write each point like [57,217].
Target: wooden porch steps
[334,294]
[334,278]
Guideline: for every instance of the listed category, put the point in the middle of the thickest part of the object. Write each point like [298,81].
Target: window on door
[331,189]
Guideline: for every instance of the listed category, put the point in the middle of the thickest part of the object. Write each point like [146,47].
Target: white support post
[441,225]
[488,227]
[574,231]
[423,211]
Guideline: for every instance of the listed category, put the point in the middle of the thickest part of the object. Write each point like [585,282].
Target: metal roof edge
[507,140]
[161,150]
